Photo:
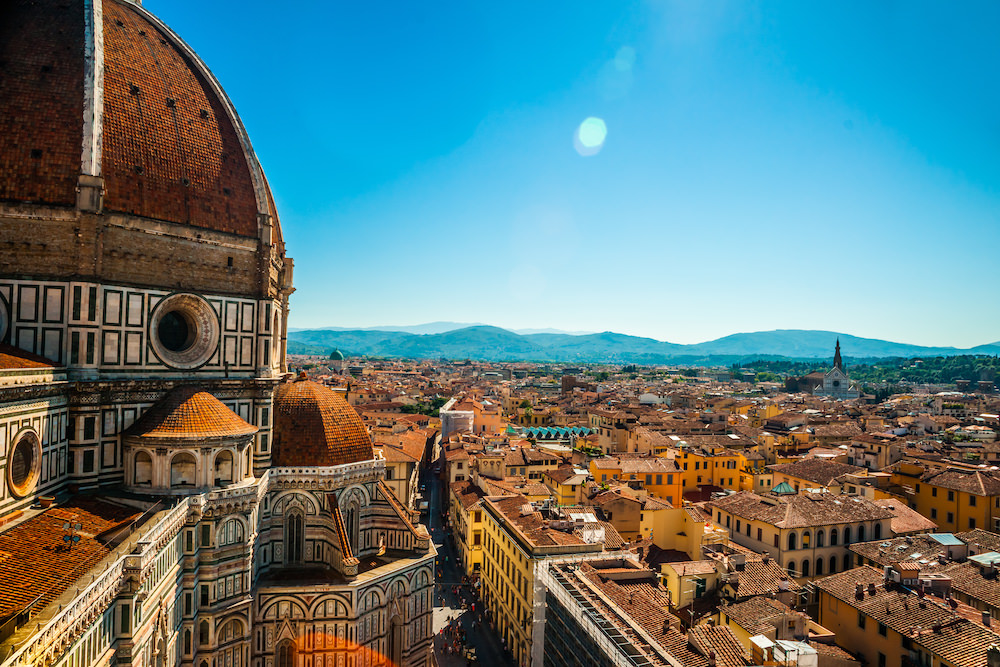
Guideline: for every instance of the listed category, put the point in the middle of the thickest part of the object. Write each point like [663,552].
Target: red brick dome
[314,426]
[104,90]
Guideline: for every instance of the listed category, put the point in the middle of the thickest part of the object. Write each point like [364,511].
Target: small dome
[314,426]
[336,355]
[189,413]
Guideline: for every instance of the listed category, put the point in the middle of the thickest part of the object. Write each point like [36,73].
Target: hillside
[488,343]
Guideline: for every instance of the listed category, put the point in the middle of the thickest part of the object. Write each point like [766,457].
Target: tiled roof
[801,511]
[15,358]
[314,426]
[467,493]
[36,560]
[755,615]
[189,413]
[976,482]
[760,578]
[693,567]
[980,540]
[643,602]
[968,579]
[901,549]
[722,643]
[905,520]
[820,471]
[927,622]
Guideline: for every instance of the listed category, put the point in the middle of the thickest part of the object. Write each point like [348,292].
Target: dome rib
[314,426]
[189,413]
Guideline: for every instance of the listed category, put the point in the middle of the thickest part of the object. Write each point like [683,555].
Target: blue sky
[766,166]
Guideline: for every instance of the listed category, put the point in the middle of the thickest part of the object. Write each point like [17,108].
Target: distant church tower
[836,382]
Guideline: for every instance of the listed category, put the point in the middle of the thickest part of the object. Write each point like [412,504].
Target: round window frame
[201,316]
[27,487]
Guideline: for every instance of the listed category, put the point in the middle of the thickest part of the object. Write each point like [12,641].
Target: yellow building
[566,484]
[807,534]
[891,625]
[465,511]
[956,498]
[687,581]
[709,466]
[658,476]
[517,538]
[682,529]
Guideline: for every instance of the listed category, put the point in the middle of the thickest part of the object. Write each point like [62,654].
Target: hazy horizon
[463,325]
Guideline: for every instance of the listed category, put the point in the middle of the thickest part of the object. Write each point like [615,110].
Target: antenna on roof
[71,538]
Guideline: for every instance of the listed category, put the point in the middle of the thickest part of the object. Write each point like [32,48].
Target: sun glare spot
[624,59]
[589,136]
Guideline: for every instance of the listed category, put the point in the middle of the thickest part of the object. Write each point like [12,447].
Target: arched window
[791,542]
[805,568]
[791,569]
[230,532]
[224,468]
[203,633]
[847,535]
[847,561]
[806,539]
[820,538]
[352,522]
[143,469]
[284,655]
[295,538]
[861,533]
[819,567]
[833,564]
[878,531]
[182,471]
[833,537]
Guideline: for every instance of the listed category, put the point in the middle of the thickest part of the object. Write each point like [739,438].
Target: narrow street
[457,608]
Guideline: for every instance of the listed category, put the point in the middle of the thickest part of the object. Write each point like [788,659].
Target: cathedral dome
[189,413]
[314,426]
[103,95]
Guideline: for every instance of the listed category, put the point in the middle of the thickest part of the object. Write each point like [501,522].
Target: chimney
[987,618]
[871,589]
[859,591]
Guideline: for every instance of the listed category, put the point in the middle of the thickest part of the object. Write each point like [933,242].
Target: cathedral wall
[58,243]
[44,418]
[384,618]
[101,411]
[109,331]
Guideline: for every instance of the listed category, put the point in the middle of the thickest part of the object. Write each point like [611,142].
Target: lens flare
[589,136]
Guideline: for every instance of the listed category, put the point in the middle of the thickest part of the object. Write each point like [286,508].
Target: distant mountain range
[486,343]
[436,328]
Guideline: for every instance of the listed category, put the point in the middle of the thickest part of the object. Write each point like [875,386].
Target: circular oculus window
[24,463]
[184,331]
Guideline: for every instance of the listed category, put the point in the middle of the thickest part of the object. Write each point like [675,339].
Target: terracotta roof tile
[193,167]
[37,562]
[314,426]
[16,358]
[187,412]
